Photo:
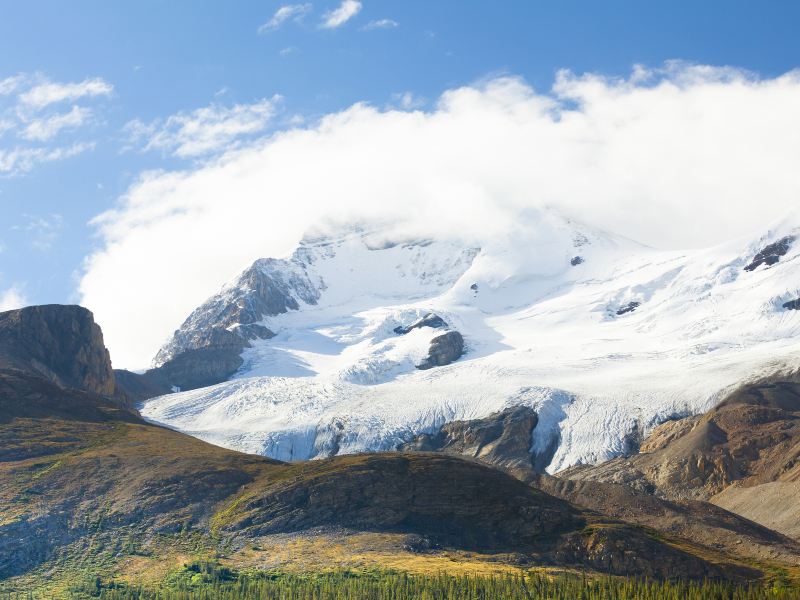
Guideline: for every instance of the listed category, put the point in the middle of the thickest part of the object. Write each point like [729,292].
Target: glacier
[604,337]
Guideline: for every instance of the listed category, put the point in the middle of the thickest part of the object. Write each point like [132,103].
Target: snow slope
[539,330]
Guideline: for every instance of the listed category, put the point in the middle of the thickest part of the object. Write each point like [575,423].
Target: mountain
[604,339]
[90,487]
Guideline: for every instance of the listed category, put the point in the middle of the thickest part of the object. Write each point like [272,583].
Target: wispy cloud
[6,125]
[341,15]
[408,100]
[48,93]
[19,160]
[47,128]
[287,12]
[202,131]
[36,128]
[12,298]
[10,84]
[380,24]
[288,50]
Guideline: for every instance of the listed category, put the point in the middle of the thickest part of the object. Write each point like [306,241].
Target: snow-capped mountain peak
[603,337]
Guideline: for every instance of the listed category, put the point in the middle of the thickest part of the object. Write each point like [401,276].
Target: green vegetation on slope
[210,581]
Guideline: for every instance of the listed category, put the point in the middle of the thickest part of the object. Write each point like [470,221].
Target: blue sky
[145,61]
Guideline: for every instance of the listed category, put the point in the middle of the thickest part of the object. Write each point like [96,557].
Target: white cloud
[9,85]
[380,24]
[48,127]
[31,118]
[205,130]
[295,12]
[408,100]
[12,298]
[6,125]
[45,94]
[19,160]
[683,156]
[341,15]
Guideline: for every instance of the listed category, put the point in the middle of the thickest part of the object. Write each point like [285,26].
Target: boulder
[443,350]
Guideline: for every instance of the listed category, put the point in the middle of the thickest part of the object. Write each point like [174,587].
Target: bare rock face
[217,357]
[629,307]
[444,349]
[792,304]
[60,343]
[429,320]
[743,455]
[771,254]
[502,439]
[136,387]
[208,346]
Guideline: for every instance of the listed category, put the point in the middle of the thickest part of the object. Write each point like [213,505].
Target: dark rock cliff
[502,439]
[771,253]
[60,343]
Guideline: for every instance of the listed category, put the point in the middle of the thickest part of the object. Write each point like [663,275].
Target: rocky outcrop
[699,521]
[208,346]
[429,320]
[217,358]
[576,260]
[744,453]
[136,387]
[57,342]
[629,307]
[443,350]
[771,254]
[502,439]
[792,304]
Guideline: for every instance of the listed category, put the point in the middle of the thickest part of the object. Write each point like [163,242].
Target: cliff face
[60,343]
[502,439]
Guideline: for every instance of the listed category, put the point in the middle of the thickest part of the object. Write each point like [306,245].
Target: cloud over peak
[679,156]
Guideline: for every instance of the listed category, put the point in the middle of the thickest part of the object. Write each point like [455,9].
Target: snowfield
[539,331]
